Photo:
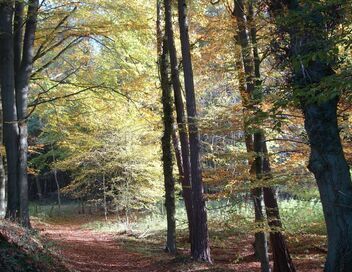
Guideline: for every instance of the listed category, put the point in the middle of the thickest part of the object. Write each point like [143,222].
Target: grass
[298,217]
[230,229]
[49,210]
[303,217]
[224,218]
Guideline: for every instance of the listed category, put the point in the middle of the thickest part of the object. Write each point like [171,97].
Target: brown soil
[89,251]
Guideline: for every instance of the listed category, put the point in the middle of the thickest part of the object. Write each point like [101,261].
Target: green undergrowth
[298,217]
[25,251]
[48,210]
[229,215]
[228,222]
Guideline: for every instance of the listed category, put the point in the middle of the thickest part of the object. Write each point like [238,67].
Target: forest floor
[87,250]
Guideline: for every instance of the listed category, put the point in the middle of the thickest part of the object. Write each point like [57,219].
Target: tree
[17,54]
[180,116]
[200,238]
[260,243]
[312,55]
[169,181]
[281,256]
[23,71]
[10,127]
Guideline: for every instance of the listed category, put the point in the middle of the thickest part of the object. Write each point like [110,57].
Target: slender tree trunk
[104,199]
[58,189]
[166,99]
[39,188]
[180,115]
[200,239]
[56,179]
[45,191]
[281,256]
[260,243]
[10,127]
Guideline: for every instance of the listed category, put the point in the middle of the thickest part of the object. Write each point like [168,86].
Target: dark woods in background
[44,187]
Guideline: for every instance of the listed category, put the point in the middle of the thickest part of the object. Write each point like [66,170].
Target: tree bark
[327,161]
[2,188]
[169,182]
[200,239]
[10,127]
[22,78]
[177,150]
[260,243]
[329,166]
[58,194]
[18,33]
[180,115]
[281,256]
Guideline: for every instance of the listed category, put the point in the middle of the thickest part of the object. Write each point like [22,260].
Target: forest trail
[84,250]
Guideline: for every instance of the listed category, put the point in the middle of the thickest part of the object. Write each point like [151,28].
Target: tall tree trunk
[22,78]
[327,161]
[58,194]
[200,239]
[169,182]
[281,256]
[260,243]
[10,127]
[180,115]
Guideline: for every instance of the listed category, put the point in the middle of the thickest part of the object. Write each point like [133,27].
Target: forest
[176,135]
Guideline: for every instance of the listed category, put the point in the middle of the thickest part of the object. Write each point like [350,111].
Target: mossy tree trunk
[167,157]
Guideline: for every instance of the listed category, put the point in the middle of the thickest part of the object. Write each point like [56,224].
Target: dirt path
[85,250]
